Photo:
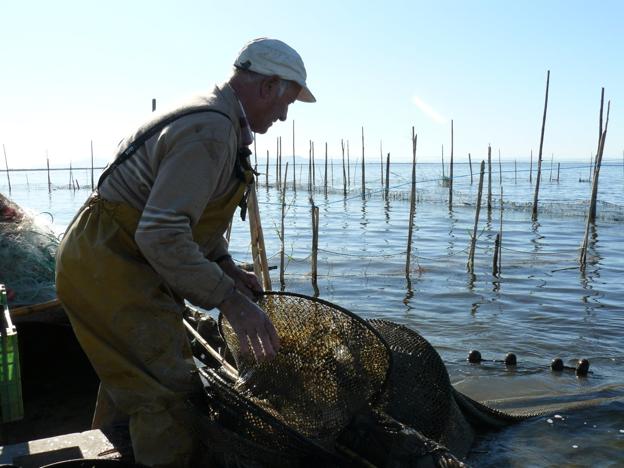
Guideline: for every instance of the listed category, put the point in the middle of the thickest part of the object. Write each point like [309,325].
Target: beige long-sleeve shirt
[170,180]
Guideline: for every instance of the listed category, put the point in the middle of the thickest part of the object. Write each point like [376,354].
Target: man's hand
[245,282]
[252,326]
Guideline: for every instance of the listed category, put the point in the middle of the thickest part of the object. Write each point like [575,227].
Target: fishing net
[331,365]
[324,399]
[27,255]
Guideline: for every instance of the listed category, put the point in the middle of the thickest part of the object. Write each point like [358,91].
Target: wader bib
[129,322]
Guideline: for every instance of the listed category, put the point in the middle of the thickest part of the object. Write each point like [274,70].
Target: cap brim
[305,95]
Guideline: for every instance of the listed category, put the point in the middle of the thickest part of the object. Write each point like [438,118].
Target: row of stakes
[556,365]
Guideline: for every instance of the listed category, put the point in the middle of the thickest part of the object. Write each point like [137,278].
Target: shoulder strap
[146,135]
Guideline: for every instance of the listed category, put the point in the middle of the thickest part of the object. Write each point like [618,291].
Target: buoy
[556,365]
[582,367]
[510,359]
[474,356]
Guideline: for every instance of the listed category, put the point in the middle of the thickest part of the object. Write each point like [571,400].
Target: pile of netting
[27,251]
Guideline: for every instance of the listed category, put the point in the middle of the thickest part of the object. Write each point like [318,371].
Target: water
[542,306]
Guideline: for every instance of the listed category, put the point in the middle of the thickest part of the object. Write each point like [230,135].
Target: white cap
[273,57]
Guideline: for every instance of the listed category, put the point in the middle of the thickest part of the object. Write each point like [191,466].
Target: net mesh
[27,255]
[331,365]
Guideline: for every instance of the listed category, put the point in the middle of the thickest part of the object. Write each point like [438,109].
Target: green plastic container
[11,404]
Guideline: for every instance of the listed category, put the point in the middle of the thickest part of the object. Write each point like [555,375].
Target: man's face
[271,106]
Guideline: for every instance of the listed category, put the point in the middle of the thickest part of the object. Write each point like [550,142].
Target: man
[152,236]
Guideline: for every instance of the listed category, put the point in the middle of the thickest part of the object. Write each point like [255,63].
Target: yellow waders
[129,323]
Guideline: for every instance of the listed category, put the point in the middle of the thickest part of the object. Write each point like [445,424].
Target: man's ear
[269,86]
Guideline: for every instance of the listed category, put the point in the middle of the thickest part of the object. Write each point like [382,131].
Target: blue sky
[76,71]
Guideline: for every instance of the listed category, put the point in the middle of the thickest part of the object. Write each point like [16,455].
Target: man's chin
[261,130]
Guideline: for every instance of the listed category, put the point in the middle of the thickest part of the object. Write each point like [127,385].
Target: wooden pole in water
[495,259]
[451,173]
[470,165]
[531,169]
[92,185]
[412,206]
[591,167]
[539,156]
[71,176]
[277,168]
[280,163]
[344,170]
[558,171]
[255,153]
[500,236]
[387,175]
[153,104]
[6,163]
[381,162]
[48,164]
[363,168]
[348,166]
[267,169]
[315,227]
[313,168]
[598,161]
[473,239]
[592,204]
[489,194]
[552,158]
[326,168]
[294,167]
[309,165]
[282,250]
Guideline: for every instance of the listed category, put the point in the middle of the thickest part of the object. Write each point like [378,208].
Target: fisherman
[151,236]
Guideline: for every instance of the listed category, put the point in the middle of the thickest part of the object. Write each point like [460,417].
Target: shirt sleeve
[185,181]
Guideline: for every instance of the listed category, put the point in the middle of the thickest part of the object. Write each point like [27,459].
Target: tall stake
[598,161]
[387,175]
[473,239]
[315,228]
[313,168]
[348,166]
[412,206]
[294,167]
[489,194]
[363,169]
[6,163]
[277,167]
[325,168]
[381,162]
[282,250]
[344,171]
[592,203]
[451,173]
[48,164]
[539,156]
[255,153]
[92,186]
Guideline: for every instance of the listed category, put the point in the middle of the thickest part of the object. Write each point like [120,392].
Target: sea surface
[540,306]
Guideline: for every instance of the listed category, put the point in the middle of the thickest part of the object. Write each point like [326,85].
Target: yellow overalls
[129,323]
